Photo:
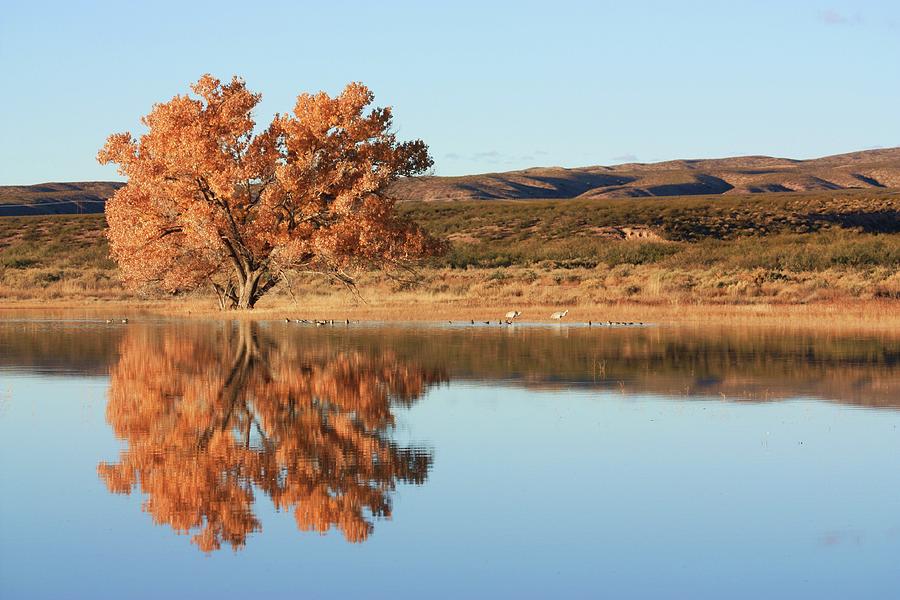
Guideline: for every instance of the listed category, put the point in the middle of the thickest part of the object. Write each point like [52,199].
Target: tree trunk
[226,295]
[244,294]
[248,291]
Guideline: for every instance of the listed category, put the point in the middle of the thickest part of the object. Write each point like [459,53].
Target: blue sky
[489,86]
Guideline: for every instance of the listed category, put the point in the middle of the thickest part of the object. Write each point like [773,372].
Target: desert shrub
[637,253]
[865,253]
[529,276]
[18,262]
[44,277]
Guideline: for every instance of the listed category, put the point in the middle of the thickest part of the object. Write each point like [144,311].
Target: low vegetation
[772,248]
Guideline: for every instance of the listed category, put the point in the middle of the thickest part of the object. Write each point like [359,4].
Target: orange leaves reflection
[212,421]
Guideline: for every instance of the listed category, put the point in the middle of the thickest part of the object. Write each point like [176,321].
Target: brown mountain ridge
[738,175]
[56,198]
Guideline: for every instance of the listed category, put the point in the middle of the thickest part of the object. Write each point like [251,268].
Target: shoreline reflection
[733,364]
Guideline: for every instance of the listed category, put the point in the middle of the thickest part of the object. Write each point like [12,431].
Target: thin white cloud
[496,157]
[833,17]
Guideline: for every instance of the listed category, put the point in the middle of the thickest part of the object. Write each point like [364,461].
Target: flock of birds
[320,322]
[508,319]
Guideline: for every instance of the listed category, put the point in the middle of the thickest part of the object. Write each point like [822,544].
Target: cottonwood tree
[210,420]
[210,201]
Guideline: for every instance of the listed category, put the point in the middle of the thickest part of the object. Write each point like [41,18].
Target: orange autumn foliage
[211,421]
[210,202]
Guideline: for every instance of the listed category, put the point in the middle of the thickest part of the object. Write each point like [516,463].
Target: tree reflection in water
[211,420]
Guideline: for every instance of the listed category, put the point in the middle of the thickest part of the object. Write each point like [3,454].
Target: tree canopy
[211,201]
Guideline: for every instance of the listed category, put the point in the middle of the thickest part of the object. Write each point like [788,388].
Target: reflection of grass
[737,362]
[764,249]
[730,361]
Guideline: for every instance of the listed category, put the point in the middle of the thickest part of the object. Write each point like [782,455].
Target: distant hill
[56,198]
[739,175]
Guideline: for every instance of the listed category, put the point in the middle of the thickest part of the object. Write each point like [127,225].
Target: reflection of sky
[533,494]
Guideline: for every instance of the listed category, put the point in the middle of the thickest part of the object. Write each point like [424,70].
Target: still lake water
[275,460]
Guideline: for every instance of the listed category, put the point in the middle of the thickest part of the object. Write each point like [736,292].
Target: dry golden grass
[815,264]
[827,301]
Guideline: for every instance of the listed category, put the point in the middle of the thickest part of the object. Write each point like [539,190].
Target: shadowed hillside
[745,174]
[870,169]
[56,198]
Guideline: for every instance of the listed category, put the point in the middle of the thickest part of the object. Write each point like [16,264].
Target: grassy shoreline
[817,259]
[881,316]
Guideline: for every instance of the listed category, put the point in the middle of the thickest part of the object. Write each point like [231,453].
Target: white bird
[124,320]
[559,315]
[513,314]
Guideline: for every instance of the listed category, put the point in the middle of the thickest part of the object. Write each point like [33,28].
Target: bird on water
[559,314]
[512,314]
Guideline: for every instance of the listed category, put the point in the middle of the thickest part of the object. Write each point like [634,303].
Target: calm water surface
[273,460]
